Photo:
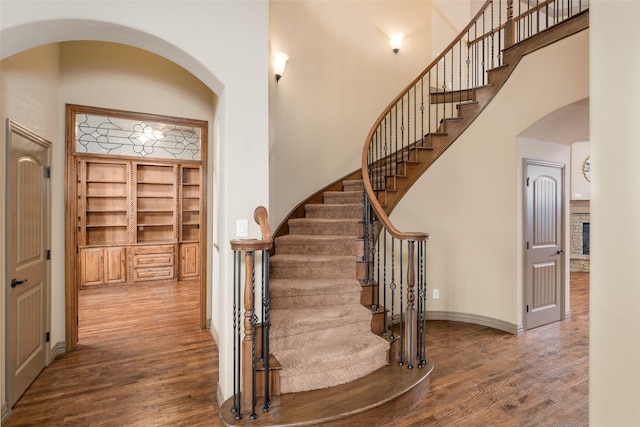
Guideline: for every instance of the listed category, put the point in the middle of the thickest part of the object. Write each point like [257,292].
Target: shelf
[106,172]
[141,207]
[155,174]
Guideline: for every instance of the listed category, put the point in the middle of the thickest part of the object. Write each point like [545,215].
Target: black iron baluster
[392,286]
[237,405]
[253,322]
[401,361]
[424,305]
[266,325]
[384,269]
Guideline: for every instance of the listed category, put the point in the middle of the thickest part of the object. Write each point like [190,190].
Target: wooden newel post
[509,26]
[247,391]
[411,315]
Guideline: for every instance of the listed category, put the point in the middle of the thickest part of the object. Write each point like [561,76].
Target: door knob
[16,282]
[560,252]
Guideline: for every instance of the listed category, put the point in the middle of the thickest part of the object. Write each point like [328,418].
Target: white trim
[511,328]
[56,350]
[5,412]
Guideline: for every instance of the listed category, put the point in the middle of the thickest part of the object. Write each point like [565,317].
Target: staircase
[335,370]
[320,332]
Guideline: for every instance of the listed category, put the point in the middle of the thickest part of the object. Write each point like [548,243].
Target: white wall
[614,336]
[29,96]
[340,76]
[580,187]
[225,45]
[470,199]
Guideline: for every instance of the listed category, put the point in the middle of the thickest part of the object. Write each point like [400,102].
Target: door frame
[13,127]
[71,259]
[563,215]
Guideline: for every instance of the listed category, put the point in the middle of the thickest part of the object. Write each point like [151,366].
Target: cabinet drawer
[143,274]
[154,256]
[153,260]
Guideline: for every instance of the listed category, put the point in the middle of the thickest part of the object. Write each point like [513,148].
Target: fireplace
[580,242]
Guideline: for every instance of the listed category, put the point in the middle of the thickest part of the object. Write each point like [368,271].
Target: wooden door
[544,260]
[27,258]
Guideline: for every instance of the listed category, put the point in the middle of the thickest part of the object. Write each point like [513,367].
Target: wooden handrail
[450,60]
[375,204]
[261,217]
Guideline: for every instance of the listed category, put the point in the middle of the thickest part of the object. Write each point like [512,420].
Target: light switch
[242,228]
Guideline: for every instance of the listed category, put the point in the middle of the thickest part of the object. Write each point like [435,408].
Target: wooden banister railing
[245,389]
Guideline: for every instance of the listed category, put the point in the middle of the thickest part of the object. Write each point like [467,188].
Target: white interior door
[544,258]
[27,258]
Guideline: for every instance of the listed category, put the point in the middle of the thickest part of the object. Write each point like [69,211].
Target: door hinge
[527,245]
[47,337]
[48,254]
[77,320]
[527,308]
[77,249]
[47,172]
[527,181]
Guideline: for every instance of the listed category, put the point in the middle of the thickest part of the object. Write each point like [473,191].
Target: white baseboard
[56,350]
[511,328]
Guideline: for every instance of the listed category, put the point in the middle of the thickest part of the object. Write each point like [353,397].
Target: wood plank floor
[142,361]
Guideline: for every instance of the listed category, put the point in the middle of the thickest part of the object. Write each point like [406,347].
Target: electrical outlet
[436,293]
[242,228]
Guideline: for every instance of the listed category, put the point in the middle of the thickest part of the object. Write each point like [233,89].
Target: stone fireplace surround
[579,261]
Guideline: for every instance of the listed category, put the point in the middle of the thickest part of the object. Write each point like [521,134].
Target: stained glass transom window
[98,134]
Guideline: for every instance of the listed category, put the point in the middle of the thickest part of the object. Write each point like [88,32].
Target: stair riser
[332,247]
[314,270]
[326,229]
[334,211]
[339,197]
[353,185]
[314,300]
[294,383]
[301,339]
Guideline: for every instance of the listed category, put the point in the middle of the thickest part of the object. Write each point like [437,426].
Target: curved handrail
[373,200]
[452,78]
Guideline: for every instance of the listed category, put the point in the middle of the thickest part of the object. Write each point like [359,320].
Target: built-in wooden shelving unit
[137,220]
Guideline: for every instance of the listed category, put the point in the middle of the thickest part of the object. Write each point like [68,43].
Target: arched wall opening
[226,49]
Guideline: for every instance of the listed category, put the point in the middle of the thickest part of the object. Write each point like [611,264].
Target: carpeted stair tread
[353,185]
[308,287]
[293,321]
[334,210]
[331,361]
[314,244]
[312,293]
[326,226]
[343,197]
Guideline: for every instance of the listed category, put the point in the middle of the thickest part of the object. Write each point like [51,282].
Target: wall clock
[586,168]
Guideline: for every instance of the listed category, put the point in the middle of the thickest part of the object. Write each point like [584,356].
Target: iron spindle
[266,325]
[401,361]
[236,285]
[384,275]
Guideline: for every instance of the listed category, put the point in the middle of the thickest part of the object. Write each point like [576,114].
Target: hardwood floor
[142,361]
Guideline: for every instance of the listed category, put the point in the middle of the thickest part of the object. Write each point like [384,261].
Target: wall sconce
[396,42]
[279,63]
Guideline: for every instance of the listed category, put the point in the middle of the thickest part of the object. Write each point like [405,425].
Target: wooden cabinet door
[101,266]
[189,261]
[115,265]
[91,266]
